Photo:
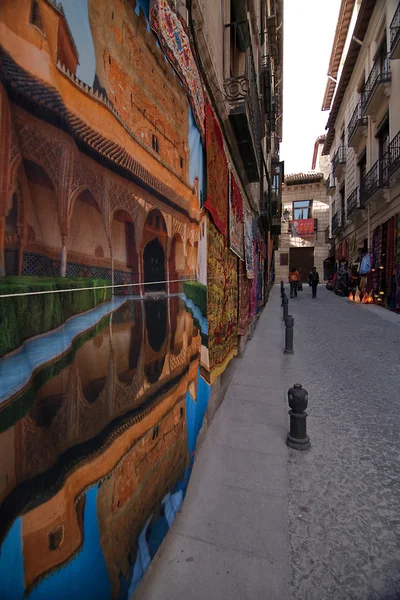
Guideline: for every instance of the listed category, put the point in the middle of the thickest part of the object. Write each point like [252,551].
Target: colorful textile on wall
[175,44]
[248,240]
[222,301]
[236,227]
[255,282]
[217,173]
[244,300]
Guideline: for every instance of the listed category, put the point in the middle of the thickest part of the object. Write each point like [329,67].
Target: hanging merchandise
[222,301]
[248,240]
[174,41]
[236,226]
[365,265]
[217,173]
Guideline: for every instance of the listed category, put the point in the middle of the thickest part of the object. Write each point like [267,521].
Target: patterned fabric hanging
[222,301]
[217,173]
[244,300]
[175,44]
[236,226]
[248,240]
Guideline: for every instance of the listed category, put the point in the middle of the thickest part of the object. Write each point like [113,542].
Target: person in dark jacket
[313,280]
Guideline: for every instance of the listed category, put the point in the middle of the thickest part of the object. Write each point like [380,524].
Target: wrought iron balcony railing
[356,120]
[339,158]
[336,221]
[353,203]
[395,30]
[380,73]
[242,93]
[374,180]
[327,235]
[276,226]
[393,156]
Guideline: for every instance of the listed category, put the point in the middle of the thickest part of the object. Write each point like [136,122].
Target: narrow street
[344,494]
[234,538]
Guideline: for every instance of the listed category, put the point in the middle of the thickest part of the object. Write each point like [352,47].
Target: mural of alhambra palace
[74,200]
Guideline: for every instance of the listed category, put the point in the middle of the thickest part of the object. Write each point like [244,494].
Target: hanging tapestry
[222,301]
[236,231]
[248,240]
[217,173]
[255,281]
[244,299]
[175,44]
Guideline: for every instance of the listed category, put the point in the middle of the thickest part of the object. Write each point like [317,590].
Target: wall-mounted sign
[302,227]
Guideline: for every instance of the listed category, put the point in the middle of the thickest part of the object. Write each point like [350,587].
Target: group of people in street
[295,281]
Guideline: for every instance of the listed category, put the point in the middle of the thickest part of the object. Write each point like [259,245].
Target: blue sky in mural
[84,577]
[144,5]
[196,159]
[77,14]
[11,567]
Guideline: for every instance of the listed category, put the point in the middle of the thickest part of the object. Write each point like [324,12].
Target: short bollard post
[298,402]
[283,296]
[289,327]
[282,289]
[285,306]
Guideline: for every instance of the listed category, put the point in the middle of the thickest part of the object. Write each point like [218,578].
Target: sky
[309,28]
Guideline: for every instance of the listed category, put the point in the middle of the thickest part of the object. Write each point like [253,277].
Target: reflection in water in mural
[96,452]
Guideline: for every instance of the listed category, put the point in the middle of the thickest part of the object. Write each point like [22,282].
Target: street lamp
[286,215]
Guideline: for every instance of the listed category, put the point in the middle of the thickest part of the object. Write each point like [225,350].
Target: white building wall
[364,222]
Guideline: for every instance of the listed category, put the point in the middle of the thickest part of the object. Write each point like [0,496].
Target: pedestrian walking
[313,280]
[294,278]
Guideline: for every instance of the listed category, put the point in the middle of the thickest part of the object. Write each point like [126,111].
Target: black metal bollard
[289,327]
[283,296]
[285,307]
[282,289]
[298,402]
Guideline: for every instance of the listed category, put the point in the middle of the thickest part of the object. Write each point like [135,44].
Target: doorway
[303,260]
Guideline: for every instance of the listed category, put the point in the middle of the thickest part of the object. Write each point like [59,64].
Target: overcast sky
[309,27]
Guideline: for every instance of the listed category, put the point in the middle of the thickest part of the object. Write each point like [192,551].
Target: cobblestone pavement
[344,494]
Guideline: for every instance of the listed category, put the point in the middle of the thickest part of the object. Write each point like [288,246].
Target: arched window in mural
[43,244]
[154,252]
[126,263]
[156,333]
[88,249]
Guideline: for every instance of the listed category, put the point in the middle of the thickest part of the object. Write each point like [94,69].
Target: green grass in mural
[198,293]
[23,403]
[26,316]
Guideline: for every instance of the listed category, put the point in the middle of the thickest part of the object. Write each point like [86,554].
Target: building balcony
[336,222]
[357,127]
[374,182]
[241,93]
[328,238]
[395,35]
[353,203]
[393,159]
[377,87]
[276,226]
[330,185]
[339,162]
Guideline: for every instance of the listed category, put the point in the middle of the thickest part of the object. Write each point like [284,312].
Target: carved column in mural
[68,171]
[5,159]
[22,191]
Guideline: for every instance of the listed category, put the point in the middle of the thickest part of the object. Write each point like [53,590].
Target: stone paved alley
[264,522]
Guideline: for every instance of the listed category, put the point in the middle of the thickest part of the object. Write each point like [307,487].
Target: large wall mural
[119,203]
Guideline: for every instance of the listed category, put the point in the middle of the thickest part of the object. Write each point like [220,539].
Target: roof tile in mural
[175,44]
